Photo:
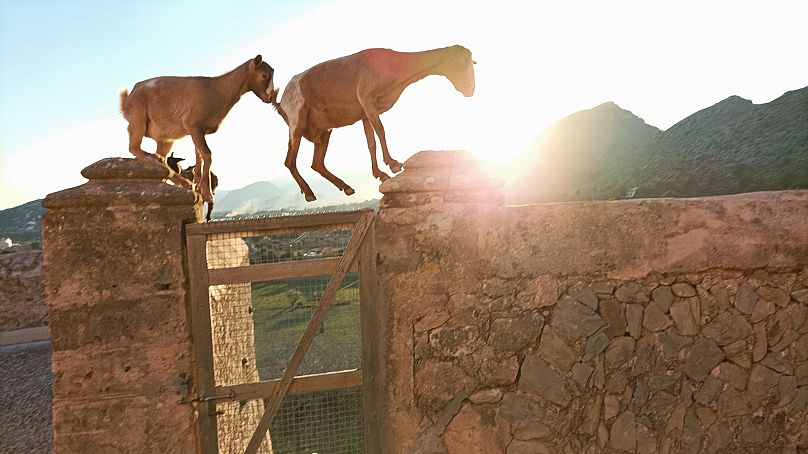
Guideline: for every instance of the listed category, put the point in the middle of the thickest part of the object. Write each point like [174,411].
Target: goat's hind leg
[137,130]
[318,164]
[291,163]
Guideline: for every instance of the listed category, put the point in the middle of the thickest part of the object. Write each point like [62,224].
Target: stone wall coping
[631,238]
[122,181]
[441,172]
[440,159]
[24,335]
[125,169]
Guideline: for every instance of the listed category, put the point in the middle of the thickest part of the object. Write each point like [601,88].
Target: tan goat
[168,108]
[361,86]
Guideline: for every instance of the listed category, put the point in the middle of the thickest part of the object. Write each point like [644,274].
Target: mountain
[733,146]
[283,193]
[251,198]
[584,156]
[21,223]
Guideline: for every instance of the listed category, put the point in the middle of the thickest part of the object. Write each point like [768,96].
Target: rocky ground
[25,398]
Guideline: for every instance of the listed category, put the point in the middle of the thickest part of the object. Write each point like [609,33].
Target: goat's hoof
[383,176]
[310,198]
[348,191]
[395,166]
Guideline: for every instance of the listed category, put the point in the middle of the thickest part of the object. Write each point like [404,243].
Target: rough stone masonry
[117,309]
[22,299]
[648,326]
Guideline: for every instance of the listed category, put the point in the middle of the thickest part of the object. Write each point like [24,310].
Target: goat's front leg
[204,159]
[318,164]
[376,122]
[295,135]
[163,148]
[374,166]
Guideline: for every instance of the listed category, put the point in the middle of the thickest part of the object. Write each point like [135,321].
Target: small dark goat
[174,164]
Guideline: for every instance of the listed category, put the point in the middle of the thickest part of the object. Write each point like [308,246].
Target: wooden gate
[358,256]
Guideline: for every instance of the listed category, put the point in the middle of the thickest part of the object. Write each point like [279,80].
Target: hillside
[731,147]
[249,199]
[281,194]
[584,156]
[21,223]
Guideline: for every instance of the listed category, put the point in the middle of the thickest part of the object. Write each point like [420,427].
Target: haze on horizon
[62,64]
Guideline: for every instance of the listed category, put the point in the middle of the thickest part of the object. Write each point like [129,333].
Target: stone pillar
[441,201]
[233,339]
[118,310]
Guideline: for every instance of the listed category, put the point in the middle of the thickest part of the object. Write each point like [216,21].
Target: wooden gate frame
[361,247]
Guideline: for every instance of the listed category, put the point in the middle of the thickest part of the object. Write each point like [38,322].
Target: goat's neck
[422,64]
[230,86]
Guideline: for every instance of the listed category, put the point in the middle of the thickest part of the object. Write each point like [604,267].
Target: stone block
[538,378]
[144,370]
[123,424]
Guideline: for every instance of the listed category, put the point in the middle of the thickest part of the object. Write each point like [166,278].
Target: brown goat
[356,87]
[168,108]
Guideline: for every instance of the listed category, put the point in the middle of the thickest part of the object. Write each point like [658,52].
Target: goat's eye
[264,76]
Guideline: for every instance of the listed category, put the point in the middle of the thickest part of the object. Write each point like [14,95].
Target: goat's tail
[274,101]
[123,95]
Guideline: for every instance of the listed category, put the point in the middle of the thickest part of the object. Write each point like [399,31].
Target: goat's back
[168,103]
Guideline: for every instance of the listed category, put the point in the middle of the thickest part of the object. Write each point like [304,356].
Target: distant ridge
[730,147]
[584,156]
[22,223]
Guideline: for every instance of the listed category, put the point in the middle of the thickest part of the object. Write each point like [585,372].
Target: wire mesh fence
[256,327]
[327,422]
[282,247]
[282,310]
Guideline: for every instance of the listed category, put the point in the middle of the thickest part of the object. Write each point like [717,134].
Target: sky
[62,64]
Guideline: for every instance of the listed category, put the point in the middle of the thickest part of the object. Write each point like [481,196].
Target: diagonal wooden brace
[317,319]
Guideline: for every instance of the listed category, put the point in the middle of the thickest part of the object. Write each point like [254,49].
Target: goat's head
[459,69]
[259,79]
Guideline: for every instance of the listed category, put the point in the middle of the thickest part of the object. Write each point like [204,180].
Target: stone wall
[118,311]
[22,291]
[667,325]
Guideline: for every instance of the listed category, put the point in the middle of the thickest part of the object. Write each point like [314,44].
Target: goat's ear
[257,61]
